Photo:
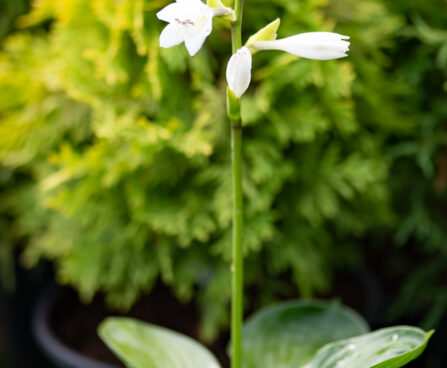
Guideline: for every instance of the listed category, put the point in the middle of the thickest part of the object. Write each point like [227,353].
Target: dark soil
[75,323]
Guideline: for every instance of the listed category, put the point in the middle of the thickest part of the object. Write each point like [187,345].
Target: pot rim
[50,344]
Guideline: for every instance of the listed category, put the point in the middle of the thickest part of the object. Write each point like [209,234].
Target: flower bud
[313,45]
[239,71]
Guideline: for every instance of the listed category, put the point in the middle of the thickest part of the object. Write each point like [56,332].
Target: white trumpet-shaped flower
[190,21]
[313,45]
[239,71]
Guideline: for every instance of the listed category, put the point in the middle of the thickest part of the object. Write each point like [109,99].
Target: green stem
[237,266]
[236,34]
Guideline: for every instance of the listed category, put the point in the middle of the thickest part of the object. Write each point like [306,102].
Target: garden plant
[307,334]
[115,159]
[82,188]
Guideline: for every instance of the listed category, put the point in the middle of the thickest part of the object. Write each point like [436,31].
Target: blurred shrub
[10,9]
[419,180]
[115,153]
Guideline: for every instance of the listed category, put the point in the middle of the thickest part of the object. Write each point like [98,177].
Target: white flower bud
[313,45]
[239,71]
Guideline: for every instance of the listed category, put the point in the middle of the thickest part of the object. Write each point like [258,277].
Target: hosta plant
[295,334]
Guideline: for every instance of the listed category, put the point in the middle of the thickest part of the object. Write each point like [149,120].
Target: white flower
[239,71]
[313,45]
[190,21]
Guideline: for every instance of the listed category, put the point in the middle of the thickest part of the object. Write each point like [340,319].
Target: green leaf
[386,348]
[142,345]
[289,334]
[268,33]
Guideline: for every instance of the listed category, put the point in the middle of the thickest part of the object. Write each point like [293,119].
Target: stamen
[186,22]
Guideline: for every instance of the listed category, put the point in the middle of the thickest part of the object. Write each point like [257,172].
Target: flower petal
[193,6]
[195,41]
[321,36]
[172,35]
[170,12]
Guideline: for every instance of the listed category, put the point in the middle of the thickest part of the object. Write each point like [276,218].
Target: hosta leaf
[386,348]
[289,334]
[142,345]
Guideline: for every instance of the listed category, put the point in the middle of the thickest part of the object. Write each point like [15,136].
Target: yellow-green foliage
[116,152]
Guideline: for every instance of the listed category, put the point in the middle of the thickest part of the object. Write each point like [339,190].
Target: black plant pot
[17,346]
[56,351]
[66,329]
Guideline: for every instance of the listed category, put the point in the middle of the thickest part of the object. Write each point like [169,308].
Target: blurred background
[115,171]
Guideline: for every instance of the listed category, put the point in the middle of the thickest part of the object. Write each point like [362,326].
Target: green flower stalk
[237,266]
